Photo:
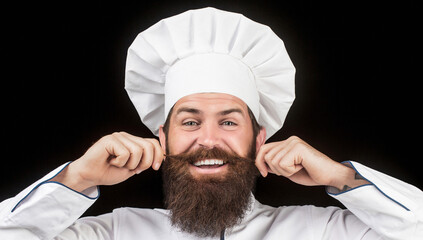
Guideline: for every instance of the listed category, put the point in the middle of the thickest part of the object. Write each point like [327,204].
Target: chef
[213,86]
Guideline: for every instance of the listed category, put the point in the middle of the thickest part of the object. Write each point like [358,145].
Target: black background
[358,93]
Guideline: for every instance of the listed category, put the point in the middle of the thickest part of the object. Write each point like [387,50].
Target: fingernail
[156,166]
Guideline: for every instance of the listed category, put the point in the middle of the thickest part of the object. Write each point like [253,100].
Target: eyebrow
[198,111]
[229,111]
[189,110]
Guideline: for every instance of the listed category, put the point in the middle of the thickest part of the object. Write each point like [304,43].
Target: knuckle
[112,137]
[125,154]
[153,140]
[295,139]
[148,144]
[267,158]
[107,138]
[266,147]
[283,166]
[115,134]
[299,147]
[271,145]
[137,151]
[275,162]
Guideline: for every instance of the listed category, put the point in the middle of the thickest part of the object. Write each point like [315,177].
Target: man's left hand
[303,164]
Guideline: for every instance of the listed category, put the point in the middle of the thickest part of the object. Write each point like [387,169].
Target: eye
[228,123]
[190,123]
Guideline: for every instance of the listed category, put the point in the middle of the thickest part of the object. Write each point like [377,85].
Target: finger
[118,153]
[281,161]
[267,154]
[276,148]
[270,170]
[275,162]
[260,161]
[280,151]
[147,153]
[281,148]
[275,165]
[147,157]
[287,165]
[134,149]
[286,155]
[158,153]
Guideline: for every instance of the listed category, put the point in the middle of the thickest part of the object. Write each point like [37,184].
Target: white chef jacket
[386,208]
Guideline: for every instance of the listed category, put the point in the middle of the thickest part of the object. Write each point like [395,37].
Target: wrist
[69,177]
[346,178]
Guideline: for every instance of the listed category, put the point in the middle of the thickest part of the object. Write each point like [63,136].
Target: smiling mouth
[209,163]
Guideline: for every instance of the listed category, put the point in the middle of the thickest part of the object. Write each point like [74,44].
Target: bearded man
[214,86]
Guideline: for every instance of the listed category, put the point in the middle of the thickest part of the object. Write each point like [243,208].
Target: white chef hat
[210,50]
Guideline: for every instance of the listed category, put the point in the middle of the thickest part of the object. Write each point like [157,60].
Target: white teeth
[208,162]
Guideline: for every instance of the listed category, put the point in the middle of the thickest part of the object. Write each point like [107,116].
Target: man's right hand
[111,160]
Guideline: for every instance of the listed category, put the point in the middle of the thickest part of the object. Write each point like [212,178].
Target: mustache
[209,153]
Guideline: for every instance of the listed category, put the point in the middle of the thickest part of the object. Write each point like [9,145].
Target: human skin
[205,120]
[210,120]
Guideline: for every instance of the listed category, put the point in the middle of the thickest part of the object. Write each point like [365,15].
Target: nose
[209,136]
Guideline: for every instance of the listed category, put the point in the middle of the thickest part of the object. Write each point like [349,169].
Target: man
[214,86]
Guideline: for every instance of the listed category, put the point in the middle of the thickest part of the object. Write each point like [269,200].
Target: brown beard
[208,205]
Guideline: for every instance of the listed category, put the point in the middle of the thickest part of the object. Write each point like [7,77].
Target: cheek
[178,142]
[240,143]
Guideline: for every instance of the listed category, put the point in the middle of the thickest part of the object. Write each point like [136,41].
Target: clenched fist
[303,164]
[111,160]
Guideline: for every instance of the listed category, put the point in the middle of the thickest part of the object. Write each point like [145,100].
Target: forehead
[211,101]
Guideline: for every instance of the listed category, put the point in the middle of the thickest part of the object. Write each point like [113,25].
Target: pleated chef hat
[210,50]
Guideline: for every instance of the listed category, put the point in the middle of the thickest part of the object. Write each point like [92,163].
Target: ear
[260,139]
[162,138]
